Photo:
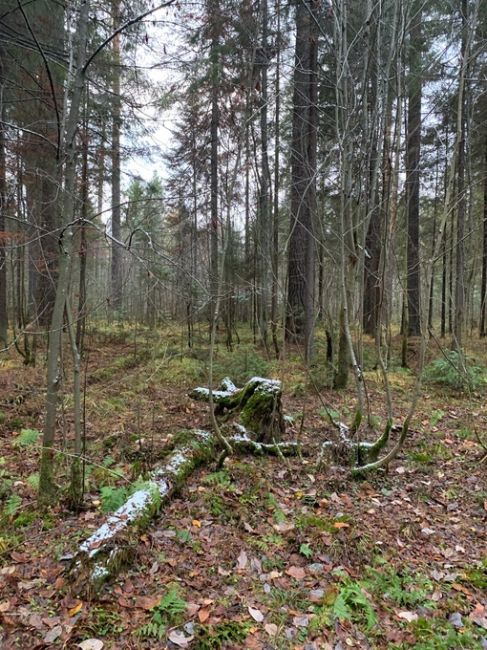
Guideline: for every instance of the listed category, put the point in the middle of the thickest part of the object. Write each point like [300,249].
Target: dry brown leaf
[203,615]
[296,572]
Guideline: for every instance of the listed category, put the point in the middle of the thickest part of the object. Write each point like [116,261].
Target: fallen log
[101,555]
[257,404]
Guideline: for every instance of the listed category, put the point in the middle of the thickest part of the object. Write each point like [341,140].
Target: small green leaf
[305,549]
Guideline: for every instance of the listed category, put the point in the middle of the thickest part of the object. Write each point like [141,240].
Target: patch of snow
[119,520]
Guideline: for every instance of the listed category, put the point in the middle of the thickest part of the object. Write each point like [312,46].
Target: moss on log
[112,545]
[258,405]
[102,554]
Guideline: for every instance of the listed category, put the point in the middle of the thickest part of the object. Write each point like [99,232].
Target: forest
[243,334]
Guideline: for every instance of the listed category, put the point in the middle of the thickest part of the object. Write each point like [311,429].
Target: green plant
[404,589]
[436,416]
[220,478]
[437,634]
[166,613]
[184,536]
[106,621]
[12,505]
[306,550]
[33,481]
[241,365]
[112,497]
[353,604]
[27,437]
[229,634]
[456,371]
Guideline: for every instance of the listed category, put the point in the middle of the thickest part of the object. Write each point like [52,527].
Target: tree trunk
[483,289]
[412,170]
[459,315]
[3,211]
[275,213]
[264,223]
[214,126]
[300,299]
[116,265]
[46,473]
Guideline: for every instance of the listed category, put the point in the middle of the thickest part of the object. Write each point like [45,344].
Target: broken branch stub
[258,404]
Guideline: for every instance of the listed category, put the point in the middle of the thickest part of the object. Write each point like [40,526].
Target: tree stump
[258,405]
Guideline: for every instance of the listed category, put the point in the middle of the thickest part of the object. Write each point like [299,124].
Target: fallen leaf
[203,615]
[479,616]
[296,572]
[242,560]
[180,639]
[91,644]
[285,527]
[53,634]
[408,616]
[256,614]
[35,621]
[458,587]
[271,629]
[427,531]
[196,523]
[316,595]
[74,610]
[147,602]
[341,524]
[5,606]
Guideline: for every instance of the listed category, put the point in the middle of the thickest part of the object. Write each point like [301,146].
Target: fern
[33,481]
[456,371]
[152,631]
[12,505]
[350,601]
[166,613]
[112,498]
[172,603]
[27,438]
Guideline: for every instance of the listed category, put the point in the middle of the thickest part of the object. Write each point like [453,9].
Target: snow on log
[347,451]
[258,405]
[243,443]
[111,545]
[108,547]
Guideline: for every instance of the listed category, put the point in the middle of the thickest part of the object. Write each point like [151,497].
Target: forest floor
[261,553]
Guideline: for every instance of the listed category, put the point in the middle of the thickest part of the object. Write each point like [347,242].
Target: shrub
[456,372]
[240,365]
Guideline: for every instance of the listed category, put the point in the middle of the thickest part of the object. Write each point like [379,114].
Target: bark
[3,210]
[412,171]
[483,289]
[109,547]
[46,480]
[275,213]
[459,316]
[116,265]
[214,126]
[300,299]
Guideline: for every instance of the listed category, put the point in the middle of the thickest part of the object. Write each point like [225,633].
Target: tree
[413,152]
[300,295]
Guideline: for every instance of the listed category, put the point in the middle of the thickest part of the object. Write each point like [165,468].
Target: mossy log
[258,405]
[112,545]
